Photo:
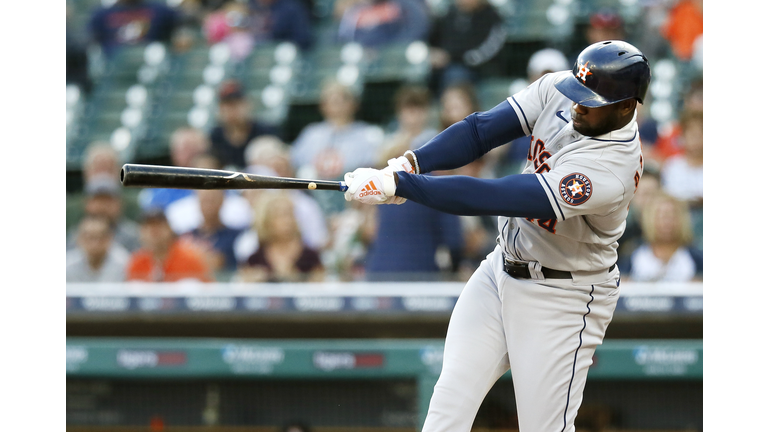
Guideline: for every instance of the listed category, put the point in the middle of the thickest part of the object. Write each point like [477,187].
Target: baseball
[312,186]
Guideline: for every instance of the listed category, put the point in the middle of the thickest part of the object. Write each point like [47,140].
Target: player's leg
[474,357]
[552,333]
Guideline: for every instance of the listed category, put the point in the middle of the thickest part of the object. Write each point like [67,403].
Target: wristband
[415,161]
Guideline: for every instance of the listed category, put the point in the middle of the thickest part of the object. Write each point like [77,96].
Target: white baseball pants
[544,331]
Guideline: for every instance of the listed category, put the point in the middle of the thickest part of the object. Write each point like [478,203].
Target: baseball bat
[158,176]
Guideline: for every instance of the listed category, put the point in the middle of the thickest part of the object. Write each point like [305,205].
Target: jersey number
[547,224]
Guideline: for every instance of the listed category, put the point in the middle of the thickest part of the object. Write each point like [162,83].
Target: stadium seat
[491,91]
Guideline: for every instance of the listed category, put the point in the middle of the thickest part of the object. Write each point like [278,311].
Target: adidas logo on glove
[370,189]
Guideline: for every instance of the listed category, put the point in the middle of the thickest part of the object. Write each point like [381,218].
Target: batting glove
[370,186]
[399,164]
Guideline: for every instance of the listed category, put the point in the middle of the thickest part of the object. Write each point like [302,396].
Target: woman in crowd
[282,255]
[666,254]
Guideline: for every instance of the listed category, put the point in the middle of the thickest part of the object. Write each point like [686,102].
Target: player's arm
[518,195]
[469,139]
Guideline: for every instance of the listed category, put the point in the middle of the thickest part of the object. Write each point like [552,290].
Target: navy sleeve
[469,139]
[519,195]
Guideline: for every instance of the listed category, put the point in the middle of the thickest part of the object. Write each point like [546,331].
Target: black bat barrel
[157,176]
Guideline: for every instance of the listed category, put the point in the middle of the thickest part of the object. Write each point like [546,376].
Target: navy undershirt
[519,195]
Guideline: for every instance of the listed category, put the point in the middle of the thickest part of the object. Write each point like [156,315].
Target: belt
[523,270]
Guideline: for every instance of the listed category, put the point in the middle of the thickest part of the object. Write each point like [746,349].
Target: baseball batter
[540,303]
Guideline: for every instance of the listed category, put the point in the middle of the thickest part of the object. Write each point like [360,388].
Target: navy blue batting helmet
[606,73]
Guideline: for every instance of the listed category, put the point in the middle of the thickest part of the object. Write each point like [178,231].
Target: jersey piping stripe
[505,233]
[514,244]
[549,188]
[621,141]
[575,356]
[523,113]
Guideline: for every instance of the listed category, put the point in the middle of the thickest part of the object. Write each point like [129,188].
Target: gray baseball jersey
[590,182]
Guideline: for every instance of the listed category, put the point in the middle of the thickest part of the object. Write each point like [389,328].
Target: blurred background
[296,311]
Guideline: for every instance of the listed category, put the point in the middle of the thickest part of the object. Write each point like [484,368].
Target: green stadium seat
[179,101]
[491,91]
[388,63]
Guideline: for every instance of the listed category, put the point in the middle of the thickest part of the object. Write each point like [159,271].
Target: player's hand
[399,164]
[370,186]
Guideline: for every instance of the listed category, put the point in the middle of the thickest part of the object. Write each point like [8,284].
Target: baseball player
[540,302]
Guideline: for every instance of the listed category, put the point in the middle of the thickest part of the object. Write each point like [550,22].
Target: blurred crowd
[290,235]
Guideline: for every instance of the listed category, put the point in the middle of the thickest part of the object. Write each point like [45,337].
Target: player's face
[601,120]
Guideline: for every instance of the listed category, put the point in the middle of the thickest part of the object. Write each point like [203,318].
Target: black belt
[521,270]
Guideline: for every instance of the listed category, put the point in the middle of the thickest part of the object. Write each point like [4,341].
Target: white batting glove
[399,164]
[370,186]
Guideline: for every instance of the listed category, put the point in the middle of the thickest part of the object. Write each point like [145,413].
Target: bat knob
[343,186]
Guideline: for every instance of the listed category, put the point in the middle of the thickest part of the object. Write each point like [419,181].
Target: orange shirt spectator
[685,23]
[164,257]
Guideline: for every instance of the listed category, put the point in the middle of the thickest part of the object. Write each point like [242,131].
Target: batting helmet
[606,73]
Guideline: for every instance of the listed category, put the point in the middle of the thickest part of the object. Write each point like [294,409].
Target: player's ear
[627,107]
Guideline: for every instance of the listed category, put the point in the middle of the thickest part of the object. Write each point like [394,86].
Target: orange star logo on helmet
[584,72]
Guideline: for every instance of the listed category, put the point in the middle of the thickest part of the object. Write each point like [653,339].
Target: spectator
[282,256]
[682,176]
[376,23]
[230,25]
[546,61]
[269,152]
[244,24]
[101,159]
[132,22]
[186,143]
[97,258]
[409,236]
[353,230]
[648,187]
[407,241]
[164,257]
[215,238]
[282,20]
[667,254]
[236,127]
[669,142]
[463,41]
[103,197]
[184,214]
[412,110]
[683,27]
[268,155]
[339,143]
[605,25]
[77,56]
[456,102]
